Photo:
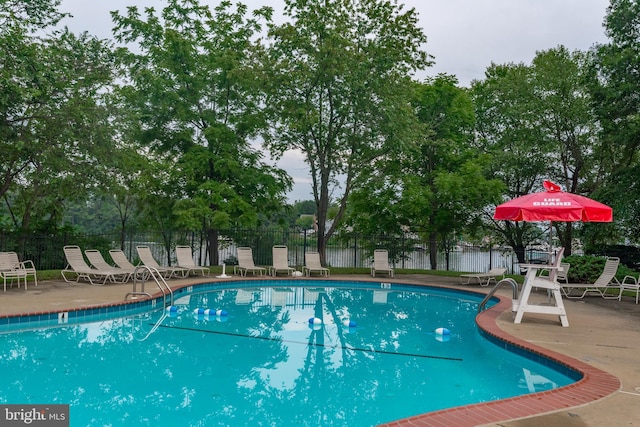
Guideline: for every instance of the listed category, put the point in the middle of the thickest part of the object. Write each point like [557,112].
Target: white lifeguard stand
[550,283]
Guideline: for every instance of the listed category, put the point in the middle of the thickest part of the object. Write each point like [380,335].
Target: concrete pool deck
[603,334]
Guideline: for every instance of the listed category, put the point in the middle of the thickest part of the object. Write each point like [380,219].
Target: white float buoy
[442,331]
[199,311]
[172,308]
[210,312]
[350,323]
[315,321]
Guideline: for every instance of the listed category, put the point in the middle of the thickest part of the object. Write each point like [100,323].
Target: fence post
[304,242]
[355,250]
[490,256]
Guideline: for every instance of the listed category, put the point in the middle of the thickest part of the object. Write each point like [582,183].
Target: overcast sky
[464,36]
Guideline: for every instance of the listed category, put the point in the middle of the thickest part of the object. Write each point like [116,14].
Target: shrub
[587,268]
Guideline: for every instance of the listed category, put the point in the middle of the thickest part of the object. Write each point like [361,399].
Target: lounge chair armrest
[632,279]
[28,264]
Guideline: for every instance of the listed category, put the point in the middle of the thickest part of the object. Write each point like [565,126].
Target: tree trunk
[433,250]
[565,236]
[212,240]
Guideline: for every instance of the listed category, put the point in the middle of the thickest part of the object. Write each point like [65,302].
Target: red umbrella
[553,205]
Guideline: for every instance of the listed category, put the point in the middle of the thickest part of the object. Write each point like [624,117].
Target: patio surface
[604,334]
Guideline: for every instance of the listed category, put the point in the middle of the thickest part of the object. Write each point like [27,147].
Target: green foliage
[615,84]
[33,15]
[436,185]
[306,222]
[193,85]
[537,123]
[337,81]
[587,268]
[54,126]
[171,142]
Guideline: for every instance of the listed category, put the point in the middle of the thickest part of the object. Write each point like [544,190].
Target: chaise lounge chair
[381,263]
[97,261]
[184,256]
[312,264]
[9,269]
[630,283]
[121,261]
[146,257]
[26,265]
[484,279]
[280,261]
[605,282]
[78,266]
[246,264]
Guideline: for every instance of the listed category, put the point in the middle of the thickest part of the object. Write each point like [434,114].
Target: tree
[436,185]
[53,124]
[32,15]
[338,79]
[615,85]
[569,125]
[195,91]
[537,124]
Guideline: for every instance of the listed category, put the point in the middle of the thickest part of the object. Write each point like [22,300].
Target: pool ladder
[507,280]
[141,273]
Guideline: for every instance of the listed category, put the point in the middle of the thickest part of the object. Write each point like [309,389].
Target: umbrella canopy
[553,205]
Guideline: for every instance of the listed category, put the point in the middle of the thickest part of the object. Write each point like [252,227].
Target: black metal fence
[352,250]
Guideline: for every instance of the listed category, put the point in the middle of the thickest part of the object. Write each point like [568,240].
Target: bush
[587,268]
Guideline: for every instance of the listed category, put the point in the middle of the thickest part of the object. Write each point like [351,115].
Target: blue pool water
[264,364]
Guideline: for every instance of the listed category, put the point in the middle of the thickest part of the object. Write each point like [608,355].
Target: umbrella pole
[550,242]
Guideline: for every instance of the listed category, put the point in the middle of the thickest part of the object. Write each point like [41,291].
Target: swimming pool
[265,364]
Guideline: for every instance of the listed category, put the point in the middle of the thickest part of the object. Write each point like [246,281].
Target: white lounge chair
[246,264]
[76,265]
[280,261]
[630,283]
[26,265]
[120,260]
[312,264]
[97,261]
[184,257]
[381,263]
[605,282]
[146,257]
[9,269]
[484,279]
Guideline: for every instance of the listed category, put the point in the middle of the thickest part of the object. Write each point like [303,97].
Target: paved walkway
[602,333]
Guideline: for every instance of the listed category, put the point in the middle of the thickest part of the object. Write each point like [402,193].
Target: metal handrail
[153,272]
[486,299]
